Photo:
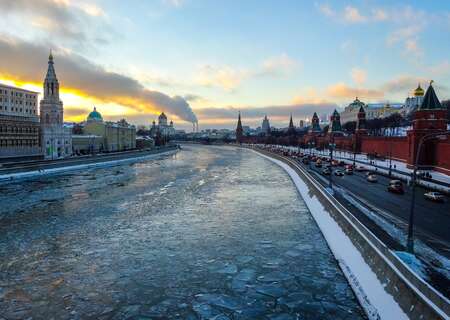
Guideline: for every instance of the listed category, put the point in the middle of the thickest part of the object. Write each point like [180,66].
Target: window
[47,118]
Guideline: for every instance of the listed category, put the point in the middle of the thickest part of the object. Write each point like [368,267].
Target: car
[372,178]
[341,163]
[326,172]
[335,163]
[360,168]
[396,186]
[305,160]
[338,173]
[349,166]
[318,164]
[434,196]
[349,171]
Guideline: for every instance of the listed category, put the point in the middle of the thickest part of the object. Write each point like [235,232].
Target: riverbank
[32,170]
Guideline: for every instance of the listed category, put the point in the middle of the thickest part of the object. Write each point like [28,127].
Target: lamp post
[331,145]
[390,155]
[410,239]
[354,153]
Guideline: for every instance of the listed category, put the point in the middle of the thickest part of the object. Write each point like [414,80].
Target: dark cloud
[28,62]
[71,21]
[74,111]
[297,110]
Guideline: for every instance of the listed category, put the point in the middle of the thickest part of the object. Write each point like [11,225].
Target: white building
[56,138]
[350,112]
[164,129]
[412,103]
[17,102]
[373,110]
[382,110]
[19,124]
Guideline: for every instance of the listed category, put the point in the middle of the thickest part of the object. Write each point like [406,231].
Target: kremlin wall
[429,118]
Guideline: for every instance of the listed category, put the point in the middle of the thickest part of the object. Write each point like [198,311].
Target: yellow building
[117,136]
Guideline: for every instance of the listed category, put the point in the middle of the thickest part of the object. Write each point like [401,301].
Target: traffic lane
[430,217]
[428,211]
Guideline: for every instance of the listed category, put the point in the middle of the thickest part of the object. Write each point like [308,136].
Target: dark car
[396,186]
[305,161]
[326,172]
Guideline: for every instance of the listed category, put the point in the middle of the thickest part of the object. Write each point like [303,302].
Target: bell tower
[51,107]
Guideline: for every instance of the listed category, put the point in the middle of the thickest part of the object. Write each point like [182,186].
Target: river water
[208,233]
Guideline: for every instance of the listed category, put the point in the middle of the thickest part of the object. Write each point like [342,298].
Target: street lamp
[410,240]
[331,146]
[390,155]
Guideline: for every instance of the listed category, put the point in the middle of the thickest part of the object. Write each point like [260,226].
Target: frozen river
[208,233]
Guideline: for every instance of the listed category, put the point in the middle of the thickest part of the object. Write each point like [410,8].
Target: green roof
[430,100]
[95,116]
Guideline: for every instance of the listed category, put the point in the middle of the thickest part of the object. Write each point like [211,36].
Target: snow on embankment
[370,292]
[52,171]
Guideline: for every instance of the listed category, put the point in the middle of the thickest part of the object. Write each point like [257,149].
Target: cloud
[407,37]
[440,69]
[75,111]
[230,78]
[359,76]
[379,14]
[325,9]
[174,3]
[275,112]
[73,21]
[224,77]
[342,91]
[352,15]
[24,61]
[279,66]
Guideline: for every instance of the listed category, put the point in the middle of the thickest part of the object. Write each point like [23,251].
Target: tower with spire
[291,129]
[429,118]
[239,130]
[315,125]
[56,139]
[335,120]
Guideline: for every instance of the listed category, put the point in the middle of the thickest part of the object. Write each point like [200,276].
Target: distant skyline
[208,59]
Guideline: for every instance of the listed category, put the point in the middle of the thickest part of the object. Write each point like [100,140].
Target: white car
[434,196]
[372,178]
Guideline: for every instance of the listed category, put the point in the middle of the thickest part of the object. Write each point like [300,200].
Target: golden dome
[419,92]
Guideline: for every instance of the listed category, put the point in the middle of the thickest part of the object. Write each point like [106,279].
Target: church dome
[95,116]
[163,116]
[419,92]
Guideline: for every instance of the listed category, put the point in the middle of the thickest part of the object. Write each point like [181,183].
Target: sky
[205,60]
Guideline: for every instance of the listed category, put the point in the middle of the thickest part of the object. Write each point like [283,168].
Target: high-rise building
[265,127]
[56,138]
[19,124]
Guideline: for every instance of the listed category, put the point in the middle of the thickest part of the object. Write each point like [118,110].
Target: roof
[430,100]
[95,116]
[2,85]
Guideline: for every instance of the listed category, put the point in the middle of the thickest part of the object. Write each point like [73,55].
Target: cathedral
[164,129]
[56,138]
